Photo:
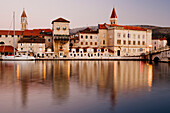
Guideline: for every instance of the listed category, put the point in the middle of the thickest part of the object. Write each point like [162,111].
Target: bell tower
[113,18]
[24,23]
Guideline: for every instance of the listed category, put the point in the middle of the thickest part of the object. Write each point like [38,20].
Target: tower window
[58,28]
[64,28]
[103,41]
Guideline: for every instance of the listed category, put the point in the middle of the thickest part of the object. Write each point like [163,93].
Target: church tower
[24,23]
[113,18]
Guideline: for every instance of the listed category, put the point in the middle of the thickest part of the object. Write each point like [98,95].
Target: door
[118,52]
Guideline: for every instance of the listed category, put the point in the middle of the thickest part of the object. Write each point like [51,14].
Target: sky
[83,13]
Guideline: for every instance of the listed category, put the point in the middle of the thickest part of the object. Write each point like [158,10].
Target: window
[86,37]
[58,28]
[30,44]
[143,36]
[81,43]
[138,42]
[95,37]
[21,48]
[138,36]
[124,42]
[134,42]
[143,43]
[70,54]
[49,40]
[6,35]
[64,28]
[118,41]
[12,35]
[81,36]
[95,43]
[103,41]
[124,35]
[91,37]
[0,35]
[91,43]
[155,42]
[129,42]
[86,43]
[77,50]
[134,36]
[21,44]
[118,35]
[129,36]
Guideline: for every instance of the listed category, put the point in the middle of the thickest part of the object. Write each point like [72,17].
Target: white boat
[18,58]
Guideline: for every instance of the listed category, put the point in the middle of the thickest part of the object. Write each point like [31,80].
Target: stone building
[32,46]
[124,40]
[61,37]
[85,38]
[158,43]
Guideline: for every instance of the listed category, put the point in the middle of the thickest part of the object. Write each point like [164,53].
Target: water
[84,87]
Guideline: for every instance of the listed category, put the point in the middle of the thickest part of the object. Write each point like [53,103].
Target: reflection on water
[73,86]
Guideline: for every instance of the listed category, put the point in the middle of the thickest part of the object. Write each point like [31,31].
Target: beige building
[85,38]
[61,37]
[33,47]
[124,40]
[158,43]
[7,37]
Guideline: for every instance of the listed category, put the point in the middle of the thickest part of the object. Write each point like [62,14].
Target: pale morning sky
[85,12]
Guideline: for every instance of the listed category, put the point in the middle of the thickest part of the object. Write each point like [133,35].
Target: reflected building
[113,76]
[60,81]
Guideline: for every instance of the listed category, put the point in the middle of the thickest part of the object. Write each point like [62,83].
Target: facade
[124,40]
[33,47]
[158,43]
[85,38]
[61,37]
[7,37]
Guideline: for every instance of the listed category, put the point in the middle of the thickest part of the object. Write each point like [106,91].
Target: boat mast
[14,31]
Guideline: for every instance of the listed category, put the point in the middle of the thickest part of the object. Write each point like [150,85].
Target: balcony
[62,37]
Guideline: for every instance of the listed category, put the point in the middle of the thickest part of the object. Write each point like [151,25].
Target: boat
[17,57]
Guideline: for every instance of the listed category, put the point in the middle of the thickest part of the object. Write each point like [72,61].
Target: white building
[124,40]
[158,43]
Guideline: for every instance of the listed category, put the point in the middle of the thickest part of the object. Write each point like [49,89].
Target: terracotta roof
[35,32]
[23,14]
[32,40]
[113,15]
[60,20]
[163,38]
[7,49]
[10,32]
[88,30]
[103,26]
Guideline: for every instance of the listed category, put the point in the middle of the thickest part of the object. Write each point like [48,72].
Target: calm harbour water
[84,87]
